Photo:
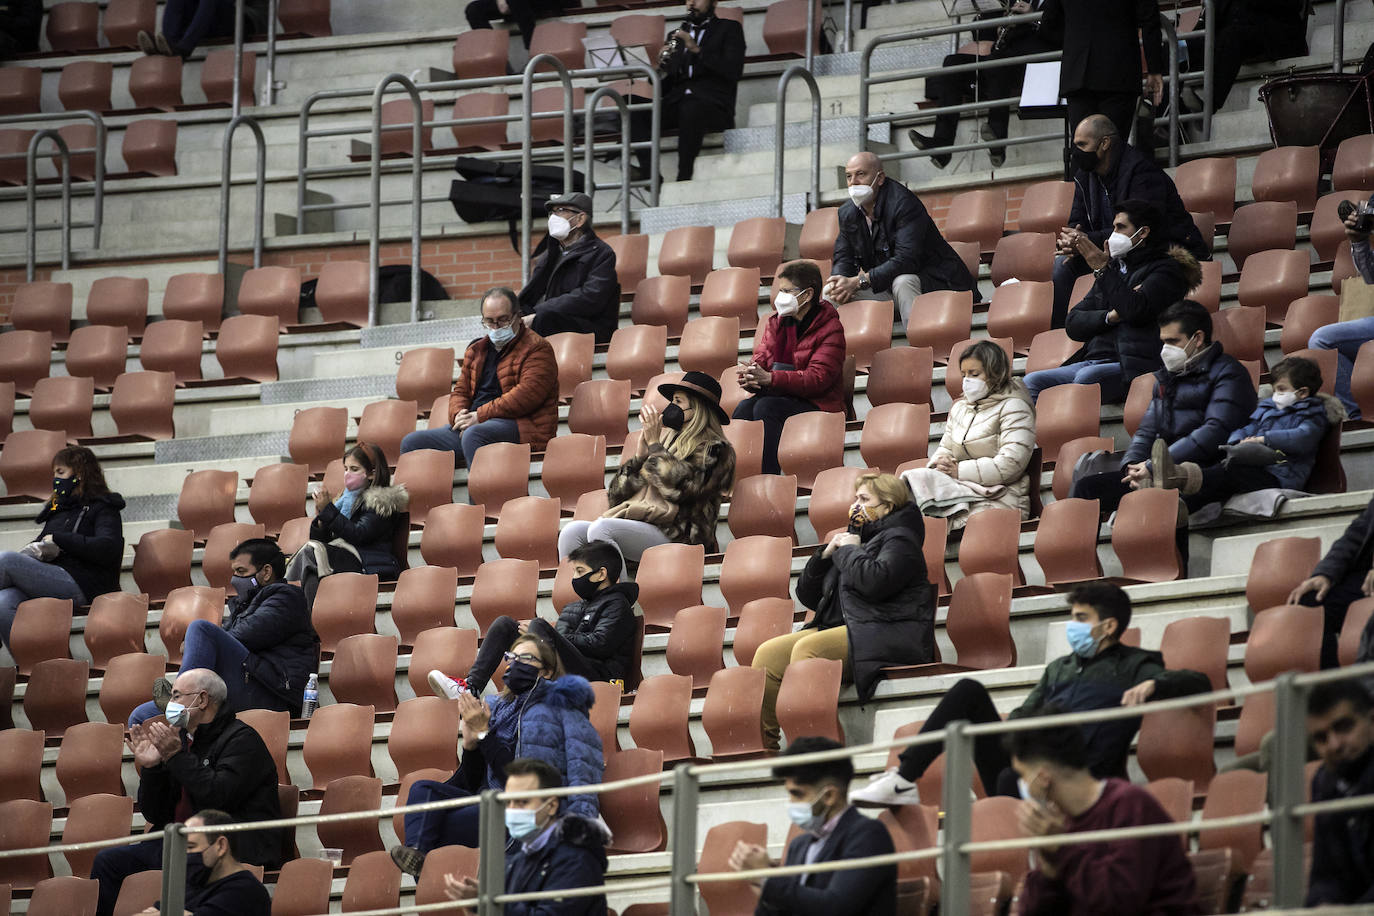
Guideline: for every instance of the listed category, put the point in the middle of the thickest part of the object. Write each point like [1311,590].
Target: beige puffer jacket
[992,440]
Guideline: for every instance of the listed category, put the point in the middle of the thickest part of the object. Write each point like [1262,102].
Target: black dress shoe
[920,140]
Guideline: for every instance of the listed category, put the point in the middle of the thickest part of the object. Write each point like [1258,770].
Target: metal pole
[375,210]
[865,63]
[589,160]
[848,37]
[779,131]
[270,90]
[682,899]
[173,869]
[65,165]
[101,142]
[238,54]
[1290,746]
[527,157]
[1208,58]
[1171,41]
[1338,38]
[260,188]
[954,888]
[812,9]
[491,862]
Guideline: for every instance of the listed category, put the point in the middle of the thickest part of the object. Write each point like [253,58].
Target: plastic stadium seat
[28,824]
[754,567]
[317,436]
[1175,796]
[24,358]
[659,716]
[600,407]
[528,530]
[73,26]
[342,291]
[968,253]
[573,464]
[728,898]
[746,438]
[21,764]
[162,561]
[979,623]
[450,649]
[784,28]
[711,344]
[364,671]
[1276,568]
[374,883]
[506,587]
[272,291]
[670,577]
[637,353]
[1305,316]
[695,643]
[563,40]
[687,251]
[1354,166]
[1362,380]
[149,147]
[1209,185]
[424,374]
[1356,617]
[1050,350]
[758,242]
[338,743]
[63,403]
[954,380]
[247,347]
[20,89]
[1021,311]
[490,137]
[549,101]
[80,140]
[97,352]
[354,837]
[819,231]
[128,681]
[115,625]
[1241,331]
[294,533]
[1045,206]
[764,504]
[1288,173]
[1067,412]
[990,542]
[605,715]
[274,727]
[573,353]
[214,564]
[480,52]
[183,605]
[631,258]
[56,698]
[119,302]
[1143,536]
[1206,225]
[155,82]
[1234,793]
[26,461]
[810,443]
[1326,362]
[759,621]
[662,301]
[453,537]
[14,171]
[808,700]
[1066,541]
[1024,256]
[217,77]
[207,500]
[1178,743]
[1262,226]
[95,817]
[995,819]
[43,306]
[173,346]
[445,860]
[142,404]
[867,329]
[832,493]
[500,472]
[977,216]
[893,434]
[303,887]
[88,763]
[427,474]
[398,128]
[1281,639]
[1208,292]
[124,19]
[732,292]
[65,895]
[345,605]
[41,630]
[386,423]
[424,734]
[900,375]
[277,494]
[633,813]
[424,598]
[1328,230]
[1138,399]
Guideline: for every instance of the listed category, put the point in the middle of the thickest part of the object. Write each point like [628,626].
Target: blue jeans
[465,443]
[1093,372]
[431,829]
[208,646]
[1345,338]
[22,577]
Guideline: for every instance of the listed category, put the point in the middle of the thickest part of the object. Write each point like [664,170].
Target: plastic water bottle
[312,696]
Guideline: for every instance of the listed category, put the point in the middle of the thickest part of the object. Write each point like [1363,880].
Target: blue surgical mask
[520,822]
[1081,640]
[177,714]
[501,336]
[805,816]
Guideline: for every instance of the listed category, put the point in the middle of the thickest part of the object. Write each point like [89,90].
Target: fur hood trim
[584,832]
[1335,410]
[1192,270]
[570,692]
[386,501]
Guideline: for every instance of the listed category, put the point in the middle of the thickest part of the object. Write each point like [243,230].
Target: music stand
[956,8]
[1040,100]
[605,53]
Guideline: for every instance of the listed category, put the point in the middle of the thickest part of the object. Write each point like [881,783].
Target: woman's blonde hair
[889,488]
[996,365]
[702,427]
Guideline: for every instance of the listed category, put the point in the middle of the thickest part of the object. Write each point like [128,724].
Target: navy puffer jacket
[1196,410]
[1296,432]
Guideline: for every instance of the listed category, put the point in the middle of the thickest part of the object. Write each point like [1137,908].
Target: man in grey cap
[573,284]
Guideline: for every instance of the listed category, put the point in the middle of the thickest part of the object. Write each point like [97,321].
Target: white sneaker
[886,790]
[444,686]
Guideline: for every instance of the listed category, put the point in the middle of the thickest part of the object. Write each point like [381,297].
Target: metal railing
[31,195]
[779,144]
[260,188]
[374,247]
[31,227]
[1283,814]
[1337,38]
[589,164]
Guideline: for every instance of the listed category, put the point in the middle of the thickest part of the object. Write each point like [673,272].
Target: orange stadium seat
[696,643]
[977,216]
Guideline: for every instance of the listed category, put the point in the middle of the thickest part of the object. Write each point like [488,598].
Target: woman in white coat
[985,452]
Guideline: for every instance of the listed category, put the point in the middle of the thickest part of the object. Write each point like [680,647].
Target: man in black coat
[1344,576]
[1100,72]
[573,285]
[888,246]
[201,757]
[1108,170]
[832,830]
[1250,30]
[1340,727]
[699,82]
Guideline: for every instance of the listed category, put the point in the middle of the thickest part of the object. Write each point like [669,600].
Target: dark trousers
[773,410]
[1106,488]
[1220,484]
[1067,270]
[692,117]
[502,633]
[1118,106]
[113,865]
[186,23]
[480,13]
[429,830]
[1342,594]
[953,88]
[967,700]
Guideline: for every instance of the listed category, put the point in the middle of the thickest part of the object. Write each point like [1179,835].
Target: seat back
[364,671]
[900,375]
[449,649]
[345,605]
[696,642]
[374,883]
[247,347]
[63,404]
[424,734]
[764,504]
[808,700]
[728,898]
[659,717]
[601,407]
[979,622]
[338,743]
[1276,568]
[506,587]
[943,318]
[1066,541]
[1143,536]
[977,216]
[732,292]
[687,251]
[758,242]
[277,494]
[670,578]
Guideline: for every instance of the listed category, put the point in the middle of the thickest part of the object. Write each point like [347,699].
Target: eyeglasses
[525,657]
[497,324]
[565,212]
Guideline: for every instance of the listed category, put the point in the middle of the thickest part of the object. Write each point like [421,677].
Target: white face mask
[1174,358]
[786,304]
[860,193]
[1285,399]
[975,389]
[559,227]
[1119,244]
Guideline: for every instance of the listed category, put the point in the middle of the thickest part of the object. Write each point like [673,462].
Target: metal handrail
[260,197]
[101,142]
[270,89]
[238,55]
[527,145]
[780,129]
[1337,39]
[31,192]
[416,206]
[812,8]
[589,162]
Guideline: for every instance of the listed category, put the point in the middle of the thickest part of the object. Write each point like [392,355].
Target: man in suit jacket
[888,246]
[1100,73]
[833,830]
[700,80]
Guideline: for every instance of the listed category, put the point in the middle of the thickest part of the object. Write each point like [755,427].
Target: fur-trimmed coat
[992,440]
[574,855]
[370,528]
[696,485]
[1297,432]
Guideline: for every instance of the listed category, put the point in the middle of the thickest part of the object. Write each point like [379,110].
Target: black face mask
[584,586]
[1085,159]
[673,417]
[521,676]
[244,585]
[63,488]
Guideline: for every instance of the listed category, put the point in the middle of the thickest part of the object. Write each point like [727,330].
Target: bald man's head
[864,169]
[1095,142]
[1095,127]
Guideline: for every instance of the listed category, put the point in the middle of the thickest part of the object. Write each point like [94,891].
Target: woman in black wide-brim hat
[671,490]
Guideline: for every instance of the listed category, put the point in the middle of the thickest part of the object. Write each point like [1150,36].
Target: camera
[1364,214]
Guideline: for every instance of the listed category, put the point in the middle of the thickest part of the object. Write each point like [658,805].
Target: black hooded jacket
[283,649]
[879,591]
[1135,176]
[91,537]
[602,628]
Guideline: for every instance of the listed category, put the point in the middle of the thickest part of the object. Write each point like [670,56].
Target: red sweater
[1143,877]
[819,359]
